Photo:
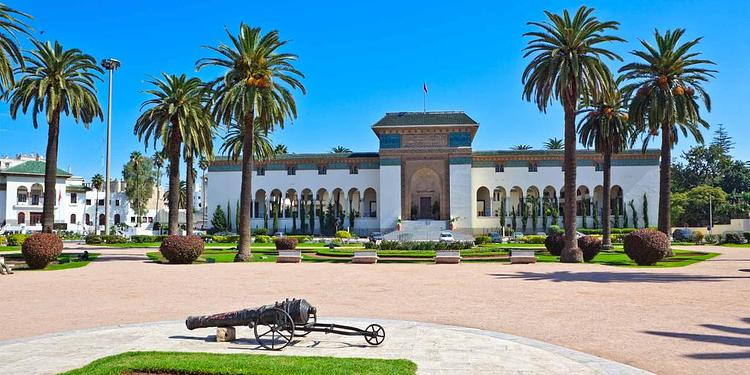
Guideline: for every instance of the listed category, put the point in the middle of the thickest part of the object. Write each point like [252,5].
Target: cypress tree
[229,217]
[275,217]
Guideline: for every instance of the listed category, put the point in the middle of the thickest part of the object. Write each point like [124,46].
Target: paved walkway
[693,319]
[436,349]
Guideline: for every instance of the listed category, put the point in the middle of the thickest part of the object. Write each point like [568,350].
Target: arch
[425,195]
[561,201]
[36,194]
[583,200]
[533,201]
[498,200]
[259,205]
[354,201]
[484,206]
[370,202]
[102,221]
[117,219]
[338,199]
[321,199]
[290,203]
[72,218]
[516,199]
[22,194]
[87,219]
[21,218]
[616,198]
[597,202]
[275,203]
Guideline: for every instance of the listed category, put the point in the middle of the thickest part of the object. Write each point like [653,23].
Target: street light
[111,65]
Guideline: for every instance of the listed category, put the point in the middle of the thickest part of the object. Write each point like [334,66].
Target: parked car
[278,234]
[579,234]
[446,237]
[376,237]
[496,237]
[517,235]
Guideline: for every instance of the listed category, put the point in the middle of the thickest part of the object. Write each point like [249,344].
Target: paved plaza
[693,319]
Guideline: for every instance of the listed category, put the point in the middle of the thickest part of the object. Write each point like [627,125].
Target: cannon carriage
[276,325]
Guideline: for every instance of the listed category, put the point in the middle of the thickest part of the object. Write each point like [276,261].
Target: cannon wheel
[275,325]
[374,334]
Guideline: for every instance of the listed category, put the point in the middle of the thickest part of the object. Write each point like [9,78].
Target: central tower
[425,165]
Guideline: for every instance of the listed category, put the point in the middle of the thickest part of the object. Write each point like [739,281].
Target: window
[102,219]
[73,199]
[21,218]
[291,170]
[101,202]
[598,167]
[87,217]
[533,167]
[36,218]
[132,219]
[260,171]
[353,169]
[88,202]
[499,168]
[150,219]
[72,218]
[117,219]
[117,202]
[322,169]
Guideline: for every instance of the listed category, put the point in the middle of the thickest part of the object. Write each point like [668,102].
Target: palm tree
[280,149]
[664,90]
[256,82]
[521,147]
[605,126]
[181,197]
[97,182]
[158,160]
[340,150]
[554,144]
[197,142]
[10,52]
[567,66]
[232,143]
[172,116]
[203,164]
[54,81]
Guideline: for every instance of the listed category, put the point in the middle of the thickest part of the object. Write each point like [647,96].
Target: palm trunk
[606,208]
[244,228]
[174,184]
[50,173]
[665,178]
[571,253]
[189,178]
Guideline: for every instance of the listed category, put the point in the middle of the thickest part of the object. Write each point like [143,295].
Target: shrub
[590,246]
[300,238]
[343,234]
[93,239]
[536,239]
[646,246]
[40,249]
[682,235]
[746,235]
[260,232]
[554,229]
[3,241]
[698,236]
[113,239]
[421,245]
[712,238]
[17,239]
[226,238]
[181,249]
[260,238]
[617,238]
[481,240]
[145,238]
[555,244]
[734,237]
[285,243]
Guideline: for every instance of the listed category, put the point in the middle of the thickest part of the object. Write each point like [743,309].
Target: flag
[424,87]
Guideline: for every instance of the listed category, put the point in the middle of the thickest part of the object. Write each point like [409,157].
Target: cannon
[276,325]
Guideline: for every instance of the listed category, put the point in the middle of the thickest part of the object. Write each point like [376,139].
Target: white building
[427,174]
[77,203]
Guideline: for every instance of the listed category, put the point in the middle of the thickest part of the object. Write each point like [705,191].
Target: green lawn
[210,363]
[9,248]
[617,257]
[228,245]
[736,244]
[64,261]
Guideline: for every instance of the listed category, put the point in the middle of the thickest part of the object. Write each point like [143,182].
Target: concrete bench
[5,269]
[365,257]
[289,256]
[447,256]
[522,256]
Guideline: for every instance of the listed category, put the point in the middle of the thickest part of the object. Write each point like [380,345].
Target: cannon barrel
[298,309]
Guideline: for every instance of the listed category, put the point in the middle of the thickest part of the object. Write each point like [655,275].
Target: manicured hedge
[285,243]
[343,234]
[225,239]
[420,245]
[481,240]
[17,239]
[146,238]
[533,239]
[260,238]
[612,230]
[95,239]
[40,249]
[555,244]
[590,247]
[181,249]
[646,246]
[734,237]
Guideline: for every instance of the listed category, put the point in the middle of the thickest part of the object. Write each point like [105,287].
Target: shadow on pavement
[726,335]
[613,277]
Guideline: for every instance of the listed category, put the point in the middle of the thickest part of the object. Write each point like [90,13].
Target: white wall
[389,197]
[462,198]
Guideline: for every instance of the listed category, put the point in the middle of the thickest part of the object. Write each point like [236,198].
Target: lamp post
[111,65]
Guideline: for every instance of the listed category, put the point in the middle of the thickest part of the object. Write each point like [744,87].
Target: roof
[32,167]
[424,118]
[327,155]
[544,152]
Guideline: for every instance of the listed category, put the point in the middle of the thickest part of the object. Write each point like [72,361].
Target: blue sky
[363,59]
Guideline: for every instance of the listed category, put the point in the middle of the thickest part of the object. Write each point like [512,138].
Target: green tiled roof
[328,155]
[424,118]
[32,167]
[650,152]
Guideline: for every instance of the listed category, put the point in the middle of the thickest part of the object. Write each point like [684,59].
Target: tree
[723,140]
[219,220]
[197,142]
[203,164]
[340,150]
[11,23]
[633,213]
[172,115]
[256,81]
[605,126]
[55,81]
[158,160]
[280,149]
[140,178]
[262,147]
[664,90]
[181,196]
[521,147]
[554,144]
[97,182]
[567,66]
[691,208]
[229,217]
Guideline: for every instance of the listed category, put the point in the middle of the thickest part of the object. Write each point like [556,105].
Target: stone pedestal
[225,334]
